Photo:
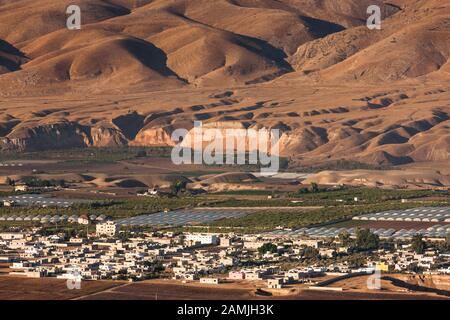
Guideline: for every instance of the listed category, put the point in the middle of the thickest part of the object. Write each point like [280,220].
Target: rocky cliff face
[160,136]
[312,69]
[61,135]
[423,140]
[47,136]
[106,137]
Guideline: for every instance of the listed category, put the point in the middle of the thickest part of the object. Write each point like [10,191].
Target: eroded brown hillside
[137,70]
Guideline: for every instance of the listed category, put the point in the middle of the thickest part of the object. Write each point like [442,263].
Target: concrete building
[209,280]
[225,242]
[202,238]
[236,275]
[275,283]
[21,187]
[83,219]
[12,235]
[9,203]
[109,228]
[256,275]
[308,242]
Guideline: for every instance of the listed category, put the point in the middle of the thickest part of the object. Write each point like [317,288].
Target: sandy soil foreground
[13,288]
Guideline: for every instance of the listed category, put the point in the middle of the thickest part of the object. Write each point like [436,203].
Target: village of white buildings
[210,258]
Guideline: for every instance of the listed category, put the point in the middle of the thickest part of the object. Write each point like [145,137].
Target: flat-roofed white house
[275,283]
[11,235]
[108,228]
[202,238]
[209,280]
[236,275]
[9,203]
[83,219]
[21,187]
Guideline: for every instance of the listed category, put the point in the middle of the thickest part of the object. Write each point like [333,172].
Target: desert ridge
[138,71]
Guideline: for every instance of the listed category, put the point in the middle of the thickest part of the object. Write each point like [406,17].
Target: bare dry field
[168,289]
[425,282]
[17,288]
[397,225]
[137,71]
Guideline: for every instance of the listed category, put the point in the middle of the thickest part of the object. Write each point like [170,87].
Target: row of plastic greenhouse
[50,218]
[437,231]
[438,214]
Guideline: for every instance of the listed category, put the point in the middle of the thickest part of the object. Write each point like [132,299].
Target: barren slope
[137,70]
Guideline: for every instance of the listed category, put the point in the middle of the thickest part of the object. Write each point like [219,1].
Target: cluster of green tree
[342,164]
[150,152]
[314,189]
[117,209]
[250,192]
[247,166]
[356,260]
[267,247]
[314,194]
[125,235]
[309,253]
[278,202]
[106,154]
[444,246]
[345,239]
[270,219]
[311,256]
[418,244]
[178,186]
[67,231]
[7,193]
[155,269]
[10,182]
[40,183]
[366,240]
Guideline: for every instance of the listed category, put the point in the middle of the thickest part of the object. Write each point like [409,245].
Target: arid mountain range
[137,70]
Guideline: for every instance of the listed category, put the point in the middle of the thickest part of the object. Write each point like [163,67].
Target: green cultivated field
[369,195]
[269,220]
[328,209]
[116,209]
[100,155]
